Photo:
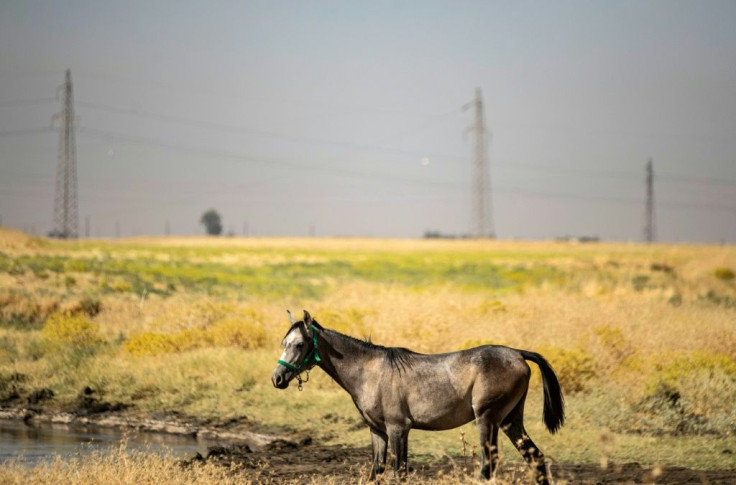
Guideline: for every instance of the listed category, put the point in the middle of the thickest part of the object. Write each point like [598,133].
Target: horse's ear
[308,323]
[292,320]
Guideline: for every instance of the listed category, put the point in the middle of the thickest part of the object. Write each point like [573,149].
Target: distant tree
[59,234]
[212,222]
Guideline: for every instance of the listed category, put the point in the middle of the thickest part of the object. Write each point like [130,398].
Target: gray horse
[396,390]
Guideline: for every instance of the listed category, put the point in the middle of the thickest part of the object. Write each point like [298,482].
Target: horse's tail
[554,404]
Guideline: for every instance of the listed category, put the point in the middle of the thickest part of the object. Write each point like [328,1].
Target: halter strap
[312,353]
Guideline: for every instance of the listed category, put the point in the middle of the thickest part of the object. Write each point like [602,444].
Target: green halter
[312,353]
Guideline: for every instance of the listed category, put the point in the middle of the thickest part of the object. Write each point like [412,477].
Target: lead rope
[301,381]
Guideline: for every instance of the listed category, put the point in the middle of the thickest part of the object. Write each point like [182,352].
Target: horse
[396,390]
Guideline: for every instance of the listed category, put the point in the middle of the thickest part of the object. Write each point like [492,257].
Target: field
[643,337]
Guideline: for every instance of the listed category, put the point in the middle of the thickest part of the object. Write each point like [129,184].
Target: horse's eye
[300,346]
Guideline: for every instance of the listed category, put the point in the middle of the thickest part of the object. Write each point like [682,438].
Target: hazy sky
[344,118]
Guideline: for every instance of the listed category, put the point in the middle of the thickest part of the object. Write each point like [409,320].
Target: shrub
[688,393]
[669,373]
[232,332]
[121,286]
[228,332]
[150,343]
[724,274]
[491,306]
[575,368]
[613,341]
[23,311]
[74,330]
[8,349]
[639,282]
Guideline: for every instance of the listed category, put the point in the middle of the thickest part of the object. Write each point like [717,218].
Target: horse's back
[500,360]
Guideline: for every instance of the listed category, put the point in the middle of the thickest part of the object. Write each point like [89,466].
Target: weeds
[227,332]
[575,368]
[642,348]
[724,274]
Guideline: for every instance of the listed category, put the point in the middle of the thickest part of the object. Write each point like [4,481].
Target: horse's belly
[438,419]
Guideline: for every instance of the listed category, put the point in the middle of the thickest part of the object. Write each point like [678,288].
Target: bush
[724,274]
[73,330]
[575,368]
[8,349]
[151,343]
[231,332]
[669,373]
[639,282]
[688,393]
[614,343]
[228,332]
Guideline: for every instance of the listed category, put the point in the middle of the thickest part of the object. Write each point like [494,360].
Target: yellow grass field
[643,337]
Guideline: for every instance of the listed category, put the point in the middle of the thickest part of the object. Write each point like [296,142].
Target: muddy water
[34,443]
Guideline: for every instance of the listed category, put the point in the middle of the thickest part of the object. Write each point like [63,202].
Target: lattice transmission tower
[66,218]
[482,217]
[649,230]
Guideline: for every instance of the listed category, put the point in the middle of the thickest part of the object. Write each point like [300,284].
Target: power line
[268,134]
[26,131]
[26,102]
[356,173]
[503,191]
[377,147]
[188,91]
[683,179]
[239,157]
[616,200]
[243,158]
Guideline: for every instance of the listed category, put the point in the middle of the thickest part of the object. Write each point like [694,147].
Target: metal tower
[482,217]
[649,233]
[66,219]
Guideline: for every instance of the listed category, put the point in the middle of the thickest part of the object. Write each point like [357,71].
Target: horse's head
[300,351]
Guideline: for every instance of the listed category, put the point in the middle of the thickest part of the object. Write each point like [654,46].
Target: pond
[31,444]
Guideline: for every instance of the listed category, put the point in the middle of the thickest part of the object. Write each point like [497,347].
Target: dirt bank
[240,430]
[286,461]
[273,457]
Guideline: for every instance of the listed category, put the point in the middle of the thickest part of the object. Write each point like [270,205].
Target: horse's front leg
[379,443]
[398,439]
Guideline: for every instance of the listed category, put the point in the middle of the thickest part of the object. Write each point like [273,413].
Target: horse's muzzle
[278,380]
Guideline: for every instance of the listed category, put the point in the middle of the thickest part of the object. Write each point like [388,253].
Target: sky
[296,118]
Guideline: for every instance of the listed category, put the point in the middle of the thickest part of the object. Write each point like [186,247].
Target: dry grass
[644,337]
[121,467]
[131,467]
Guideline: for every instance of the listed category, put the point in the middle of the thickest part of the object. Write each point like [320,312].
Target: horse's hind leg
[513,426]
[532,455]
[380,447]
[489,445]
[494,449]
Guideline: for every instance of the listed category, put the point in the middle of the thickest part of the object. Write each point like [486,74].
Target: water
[31,444]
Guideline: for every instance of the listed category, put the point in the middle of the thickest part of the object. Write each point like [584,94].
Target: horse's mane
[399,358]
